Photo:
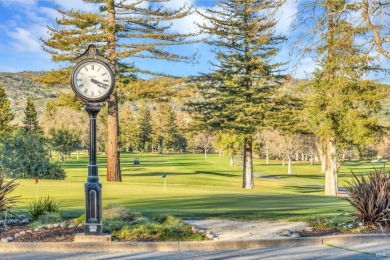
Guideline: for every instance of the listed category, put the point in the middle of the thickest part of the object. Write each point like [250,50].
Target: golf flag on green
[36,188]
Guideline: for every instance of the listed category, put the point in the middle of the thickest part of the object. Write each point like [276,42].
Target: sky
[24,22]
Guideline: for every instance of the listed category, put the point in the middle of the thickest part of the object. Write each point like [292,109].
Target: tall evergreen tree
[241,89]
[144,126]
[128,133]
[6,115]
[30,119]
[340,102]
[126,32]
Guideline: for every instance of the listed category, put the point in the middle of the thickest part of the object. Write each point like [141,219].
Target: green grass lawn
[198,187]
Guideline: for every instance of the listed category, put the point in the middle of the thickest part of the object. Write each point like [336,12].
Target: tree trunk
[205,152]
[331,182]
[248,181]
[61,156]
[160,145]
[283,161]
[231,160]
[267,156]
[78,154]
[289,170]
[113,163]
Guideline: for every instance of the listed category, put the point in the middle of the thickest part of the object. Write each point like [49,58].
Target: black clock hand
[99,84]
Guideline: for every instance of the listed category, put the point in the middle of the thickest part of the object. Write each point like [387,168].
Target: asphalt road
[308,252]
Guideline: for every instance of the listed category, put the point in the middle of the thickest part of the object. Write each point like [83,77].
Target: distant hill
[19,86]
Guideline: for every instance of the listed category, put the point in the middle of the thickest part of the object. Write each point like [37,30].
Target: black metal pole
[93,189]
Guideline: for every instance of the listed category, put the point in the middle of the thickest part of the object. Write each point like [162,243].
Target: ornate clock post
[93,81]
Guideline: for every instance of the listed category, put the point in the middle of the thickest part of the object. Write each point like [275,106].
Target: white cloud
[19,2]
[24,41]
[285,16]
[51,13]
[76,5]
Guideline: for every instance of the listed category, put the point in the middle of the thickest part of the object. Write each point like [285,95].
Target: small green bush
[79,220]
[49,218]
[118,212]
[110,225]
[161,228]
[48,204]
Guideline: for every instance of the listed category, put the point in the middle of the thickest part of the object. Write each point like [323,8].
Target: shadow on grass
[292,206]
[159,173]
[306,188]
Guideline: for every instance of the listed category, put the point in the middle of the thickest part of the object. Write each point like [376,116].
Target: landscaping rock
[201,231]
[1,222]
[26,221]
[50,226]
[5,240]
[287,233]
[56,225]
[21,217]
[209,236]
[30,231]
[16,235]
[194,230]
[71,226]
[63,225]
[80,225]
[309,229]
[295,235]
[22,233]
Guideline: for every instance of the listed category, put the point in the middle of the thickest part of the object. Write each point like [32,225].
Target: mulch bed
[67,234]
[46,235]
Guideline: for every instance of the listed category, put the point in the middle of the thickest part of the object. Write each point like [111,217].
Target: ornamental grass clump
[370,196]
[163,228]
[40,207]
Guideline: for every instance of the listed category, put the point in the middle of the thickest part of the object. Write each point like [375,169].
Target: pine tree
[128,133]
[6,115]
[121,30]
[340,102]
[30,120]
[144,126]
[240,90]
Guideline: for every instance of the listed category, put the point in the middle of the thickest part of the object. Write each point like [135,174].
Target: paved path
[309,252]
[349,247]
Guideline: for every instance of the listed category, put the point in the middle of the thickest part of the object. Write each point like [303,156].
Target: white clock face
[92,80]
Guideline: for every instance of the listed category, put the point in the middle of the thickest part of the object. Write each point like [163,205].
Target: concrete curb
[127,247]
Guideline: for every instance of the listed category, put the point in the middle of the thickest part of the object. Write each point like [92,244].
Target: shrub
[370,196]
[49,218]
[162,228]
[79,220]
[26,156]
[41,206]
[6,202]
[118,212]
[157,232]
